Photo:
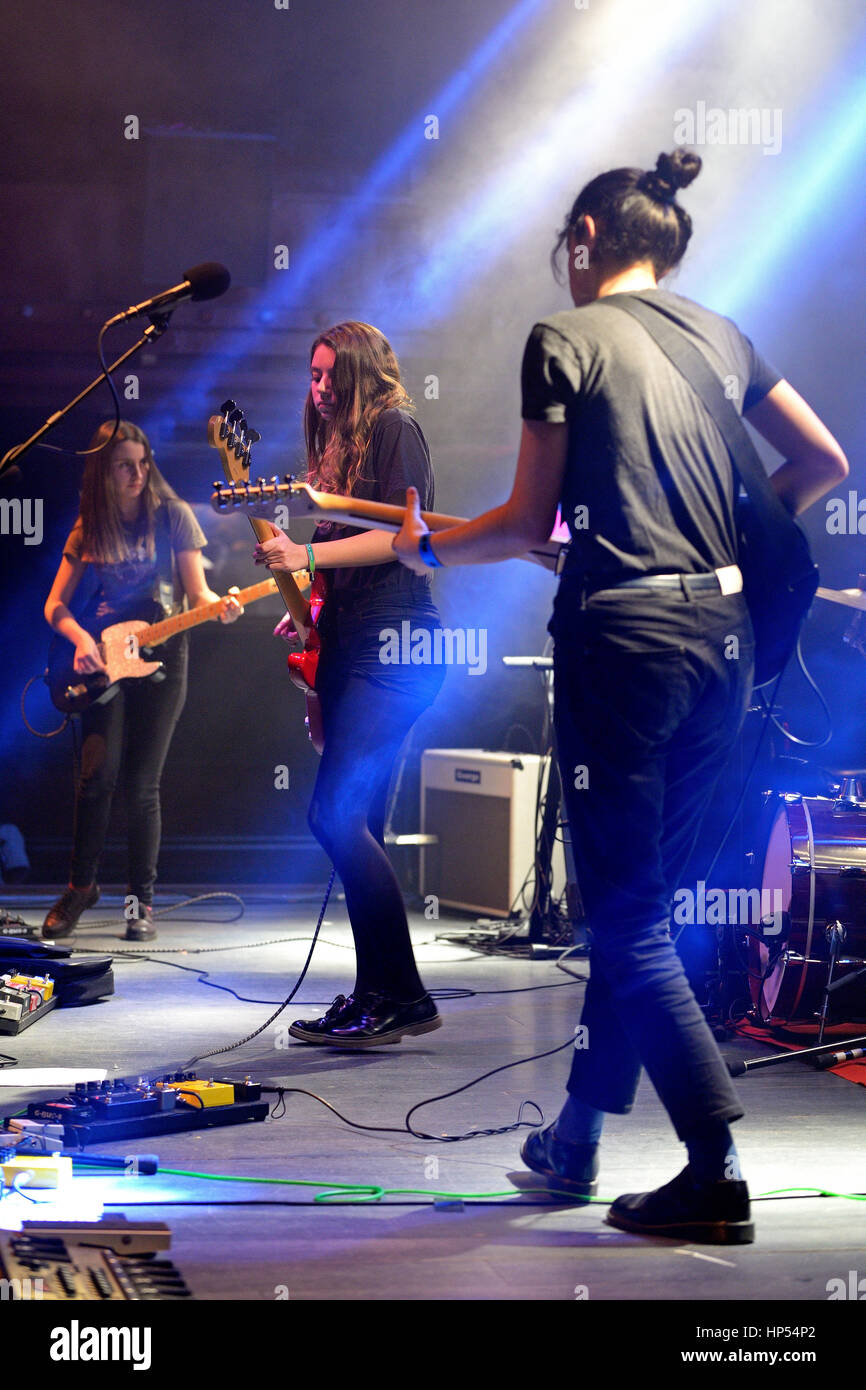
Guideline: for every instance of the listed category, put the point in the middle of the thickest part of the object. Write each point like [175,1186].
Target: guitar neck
[304,500]
[383,516]
[380,516]
[292,597]
[160,632]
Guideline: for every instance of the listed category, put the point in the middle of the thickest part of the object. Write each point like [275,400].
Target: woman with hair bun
[647,705]
[362,439]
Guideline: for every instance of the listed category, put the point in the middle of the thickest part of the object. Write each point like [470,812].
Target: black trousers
[367,712]
[128,736]
[651,689]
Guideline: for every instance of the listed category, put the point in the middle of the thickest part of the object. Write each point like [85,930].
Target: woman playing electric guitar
[132,526]
[362,439]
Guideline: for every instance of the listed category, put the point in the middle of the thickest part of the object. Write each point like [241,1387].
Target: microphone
[206,281]
[835,1059]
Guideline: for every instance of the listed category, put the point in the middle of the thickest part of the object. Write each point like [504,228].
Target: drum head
[814,869]
[768,958]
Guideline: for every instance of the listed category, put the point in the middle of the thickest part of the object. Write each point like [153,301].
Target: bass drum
[814,870]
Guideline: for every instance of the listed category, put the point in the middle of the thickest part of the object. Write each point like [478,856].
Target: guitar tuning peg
[227,406]
[253,435]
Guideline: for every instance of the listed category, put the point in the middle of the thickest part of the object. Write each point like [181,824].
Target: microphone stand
[158,325]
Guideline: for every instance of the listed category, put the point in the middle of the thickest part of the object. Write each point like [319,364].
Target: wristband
[312,559]
[427,553]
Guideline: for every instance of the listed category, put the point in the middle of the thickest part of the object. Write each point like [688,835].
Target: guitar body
[779,586]
[118,646]
[303,666]
[233,439]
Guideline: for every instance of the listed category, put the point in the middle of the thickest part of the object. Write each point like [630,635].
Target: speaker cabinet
[484,809]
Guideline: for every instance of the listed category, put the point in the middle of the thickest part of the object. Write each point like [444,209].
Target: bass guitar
[233,440]
[120,647]
[299,499]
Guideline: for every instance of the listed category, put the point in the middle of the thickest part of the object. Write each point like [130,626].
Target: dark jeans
[648,703]
[130,734]
[365,725]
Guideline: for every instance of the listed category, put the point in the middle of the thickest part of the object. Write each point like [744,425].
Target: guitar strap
[775,521]
[163,586]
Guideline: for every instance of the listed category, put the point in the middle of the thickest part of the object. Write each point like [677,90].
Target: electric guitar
[233,439]
[120,647]
[299,499]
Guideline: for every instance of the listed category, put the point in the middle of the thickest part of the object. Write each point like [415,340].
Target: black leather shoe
[312,1030]
[714,1213]
[63,917]
[142,928]
[570,1168]
[381,1019]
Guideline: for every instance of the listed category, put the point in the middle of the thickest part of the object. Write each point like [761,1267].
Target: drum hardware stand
[543,922]
[849,796]
[835,933]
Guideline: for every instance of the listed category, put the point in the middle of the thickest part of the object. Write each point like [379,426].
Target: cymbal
[851,598]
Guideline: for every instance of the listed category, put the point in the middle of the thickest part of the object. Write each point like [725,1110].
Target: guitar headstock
[233,439]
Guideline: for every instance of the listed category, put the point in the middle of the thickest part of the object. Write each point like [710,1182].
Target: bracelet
[427,553]
[312,559]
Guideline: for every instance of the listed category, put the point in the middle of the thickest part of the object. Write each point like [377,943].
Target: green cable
[361,1192]
[820,1191]
[372,1192]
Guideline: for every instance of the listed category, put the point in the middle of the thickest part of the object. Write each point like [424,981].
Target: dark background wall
[308,127]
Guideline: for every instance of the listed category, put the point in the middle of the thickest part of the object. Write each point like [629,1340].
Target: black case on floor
[75,981]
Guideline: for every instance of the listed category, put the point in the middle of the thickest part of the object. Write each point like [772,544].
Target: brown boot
[63,917]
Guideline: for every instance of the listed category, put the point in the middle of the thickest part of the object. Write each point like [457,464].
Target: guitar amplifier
[484,809]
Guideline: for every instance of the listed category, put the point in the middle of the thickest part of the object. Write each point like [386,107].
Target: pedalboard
[101,1112]
[53,1266]
[24,999]
[113,1232]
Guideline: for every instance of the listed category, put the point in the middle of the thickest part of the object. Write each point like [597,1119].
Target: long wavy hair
[366,381]
[104,539]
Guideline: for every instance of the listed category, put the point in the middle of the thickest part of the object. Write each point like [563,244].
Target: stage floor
[237,1241]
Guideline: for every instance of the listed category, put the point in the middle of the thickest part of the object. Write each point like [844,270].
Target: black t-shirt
[649,486]
[397,458]
[364,602]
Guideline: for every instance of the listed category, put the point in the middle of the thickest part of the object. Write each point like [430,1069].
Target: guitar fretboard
[160,632]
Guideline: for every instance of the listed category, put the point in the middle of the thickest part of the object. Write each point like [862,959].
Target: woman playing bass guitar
[363,440]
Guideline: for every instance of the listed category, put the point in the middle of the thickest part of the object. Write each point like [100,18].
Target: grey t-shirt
[649,485]
[126,590]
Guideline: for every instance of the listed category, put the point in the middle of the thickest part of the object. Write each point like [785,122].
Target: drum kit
[806,961]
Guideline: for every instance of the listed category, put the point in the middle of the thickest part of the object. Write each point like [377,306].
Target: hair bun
[672,172]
